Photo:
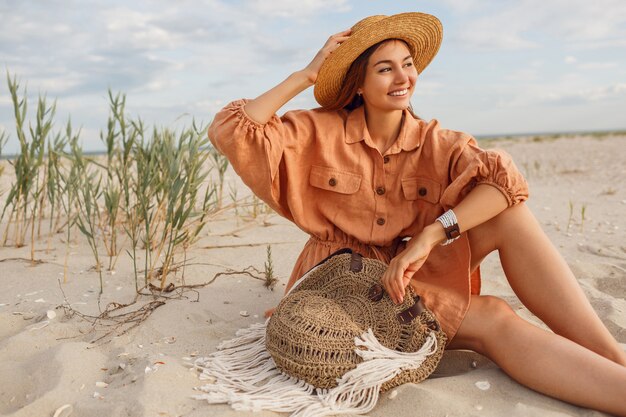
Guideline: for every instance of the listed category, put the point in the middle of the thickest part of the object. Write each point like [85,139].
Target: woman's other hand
[331,44]
[404,265]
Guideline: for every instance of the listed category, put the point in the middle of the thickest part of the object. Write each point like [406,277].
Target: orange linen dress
[321,170]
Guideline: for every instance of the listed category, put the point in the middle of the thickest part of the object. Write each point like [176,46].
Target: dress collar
[408,138]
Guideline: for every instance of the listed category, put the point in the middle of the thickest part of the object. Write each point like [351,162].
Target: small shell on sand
[64,411]
[483,385]
[244,313]
[101,384]
[51,314]
[393,394]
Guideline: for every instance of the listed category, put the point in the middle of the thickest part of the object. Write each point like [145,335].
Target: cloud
[523,24]
[523,75]
[570,90]
[590,65]
[593,66]
[585,95]
[296,9]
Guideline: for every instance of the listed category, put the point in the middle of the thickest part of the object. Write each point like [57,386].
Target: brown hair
[348,98]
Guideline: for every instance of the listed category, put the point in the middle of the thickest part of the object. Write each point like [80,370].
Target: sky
[504,67]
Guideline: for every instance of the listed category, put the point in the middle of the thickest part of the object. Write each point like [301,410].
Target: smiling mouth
[399,93]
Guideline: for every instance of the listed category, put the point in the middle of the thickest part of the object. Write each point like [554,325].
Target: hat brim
[422,32]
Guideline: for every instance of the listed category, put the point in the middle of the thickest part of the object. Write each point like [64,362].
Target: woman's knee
[492,234]
[487,317]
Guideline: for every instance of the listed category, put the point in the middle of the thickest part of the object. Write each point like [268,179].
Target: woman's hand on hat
[331,44]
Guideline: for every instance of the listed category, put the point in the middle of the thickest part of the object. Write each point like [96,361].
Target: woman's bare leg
[542,280]
[541,360]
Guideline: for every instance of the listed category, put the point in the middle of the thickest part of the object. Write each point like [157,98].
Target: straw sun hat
[334,343]
[422,33]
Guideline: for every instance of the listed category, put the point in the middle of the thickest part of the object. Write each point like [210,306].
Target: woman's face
[389,78]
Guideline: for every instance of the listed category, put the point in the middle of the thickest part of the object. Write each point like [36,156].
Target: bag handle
[356,262]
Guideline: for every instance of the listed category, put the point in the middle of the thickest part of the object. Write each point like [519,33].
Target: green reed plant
[43,127]
[583,210]
[220,162]
[88,191]
[23,198]
[119,141]
[53,181]
[87,216]
[270,278]
[571,215]
[69,183]
[185,174]
[232,192]
[137,207]
[153,187]
[4,137]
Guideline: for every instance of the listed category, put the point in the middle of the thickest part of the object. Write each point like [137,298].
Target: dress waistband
[384,253]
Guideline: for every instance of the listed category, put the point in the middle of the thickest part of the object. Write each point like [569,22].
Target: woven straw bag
[334,343]
[311,335]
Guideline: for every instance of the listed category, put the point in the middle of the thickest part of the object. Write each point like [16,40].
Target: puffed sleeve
[470,165]
[255,150]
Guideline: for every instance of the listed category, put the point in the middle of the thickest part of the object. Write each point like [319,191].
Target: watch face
[453,231]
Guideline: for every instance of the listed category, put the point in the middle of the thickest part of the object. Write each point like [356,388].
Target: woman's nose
[401,77]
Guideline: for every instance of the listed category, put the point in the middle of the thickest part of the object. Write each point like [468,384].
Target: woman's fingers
[337,39]
[393,282]
[334,43]
[399,273]
[343,33]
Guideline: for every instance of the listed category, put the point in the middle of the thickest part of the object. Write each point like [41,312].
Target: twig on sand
[118,319]
[244,245]
[30,261]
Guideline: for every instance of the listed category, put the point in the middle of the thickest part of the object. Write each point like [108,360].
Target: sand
[48,358]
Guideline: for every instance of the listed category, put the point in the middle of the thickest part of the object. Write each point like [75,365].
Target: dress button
[380,190]
[422,191]
[332,182]
[386,159]
[380,221]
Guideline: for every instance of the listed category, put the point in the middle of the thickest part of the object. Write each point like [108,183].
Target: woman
[363,172]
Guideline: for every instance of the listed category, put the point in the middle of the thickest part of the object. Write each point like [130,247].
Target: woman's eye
[408,64]
[385,69]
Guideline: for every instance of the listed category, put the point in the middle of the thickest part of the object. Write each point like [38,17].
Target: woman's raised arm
[262,108]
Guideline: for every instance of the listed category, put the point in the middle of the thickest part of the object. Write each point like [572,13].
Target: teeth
[399,93]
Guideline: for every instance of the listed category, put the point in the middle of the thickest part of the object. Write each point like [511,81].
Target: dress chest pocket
[421,189]
[331,179]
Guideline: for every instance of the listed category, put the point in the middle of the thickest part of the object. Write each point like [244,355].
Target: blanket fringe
[245,376]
